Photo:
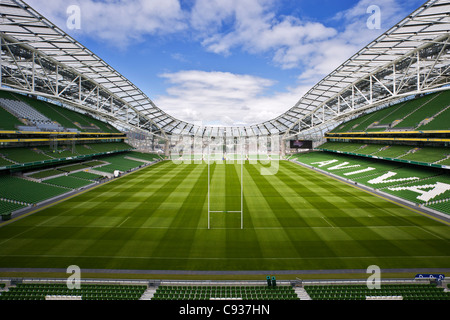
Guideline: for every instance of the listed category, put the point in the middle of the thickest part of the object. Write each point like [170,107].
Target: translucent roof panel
[22,25]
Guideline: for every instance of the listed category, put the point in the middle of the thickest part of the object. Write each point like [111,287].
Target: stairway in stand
[302,294]
[148,294]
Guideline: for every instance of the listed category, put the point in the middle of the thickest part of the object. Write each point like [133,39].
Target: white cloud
[224,27]
[118,22]
[254,27]
[222,98]
[312,47]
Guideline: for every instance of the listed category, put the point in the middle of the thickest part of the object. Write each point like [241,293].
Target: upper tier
[19,112]
[429,112]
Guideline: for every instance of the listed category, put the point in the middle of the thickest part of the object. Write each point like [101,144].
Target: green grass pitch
[156,219]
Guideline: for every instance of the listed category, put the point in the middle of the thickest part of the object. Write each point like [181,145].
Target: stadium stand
[32,291]
[45,174]
[86,176]
[93,163]
[427,154]
[143,156]
[32,117]
[47,110]
[438,121]
[106,291]
[225,292]
[390,150]
[42,115]
[70,182]
[428,111]
[425,186]
[40,184]
[24,155]
[110,147]
[73,167]
[393,151]
[8,121]
[7,207]
[423,113]
[412,153]
[5,162]
[29,192]
[32,155]
[387,292]
[118,162]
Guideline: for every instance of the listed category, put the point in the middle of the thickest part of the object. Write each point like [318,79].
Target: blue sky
[225,62]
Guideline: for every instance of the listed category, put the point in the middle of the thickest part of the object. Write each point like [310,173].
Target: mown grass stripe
[188,214]
[167,212]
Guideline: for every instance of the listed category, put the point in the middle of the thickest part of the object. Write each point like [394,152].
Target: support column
[283,148]
[166,148]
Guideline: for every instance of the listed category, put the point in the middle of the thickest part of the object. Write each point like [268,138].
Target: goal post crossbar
[242,160]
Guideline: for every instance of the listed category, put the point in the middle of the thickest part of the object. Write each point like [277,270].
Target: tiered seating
[23,110]
[86,176]
[434,106]
[220,292]
[421,185]
[8,121]
[46,115]
[350,167]
[111,146]
[92,163]
[395,177]
[405,110]
[408,114]
[143,156]
[45,174]
[118,162]
[363,122]
[7,207]
[61,170]
[30,192]
[360,292]
[28,155]
[67,118]
[341,146]
[5,162]
[73,167]
[50,111]
[87,292]
[68,182]
[445,162]
[443,206]
[58,153]
[424,154]
[24,155]
[393,151]
[440,191]
[428,155]
[84,149]
[438,123]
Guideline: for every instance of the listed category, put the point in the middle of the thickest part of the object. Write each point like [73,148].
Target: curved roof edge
[410,58]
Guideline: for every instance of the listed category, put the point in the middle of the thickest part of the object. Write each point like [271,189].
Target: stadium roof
[410,58]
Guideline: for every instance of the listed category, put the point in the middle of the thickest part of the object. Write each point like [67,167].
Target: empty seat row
[23,110]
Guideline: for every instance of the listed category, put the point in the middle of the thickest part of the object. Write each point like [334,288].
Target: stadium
[105,196]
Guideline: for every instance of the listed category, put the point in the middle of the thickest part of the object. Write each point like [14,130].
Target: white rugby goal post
[225,152]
